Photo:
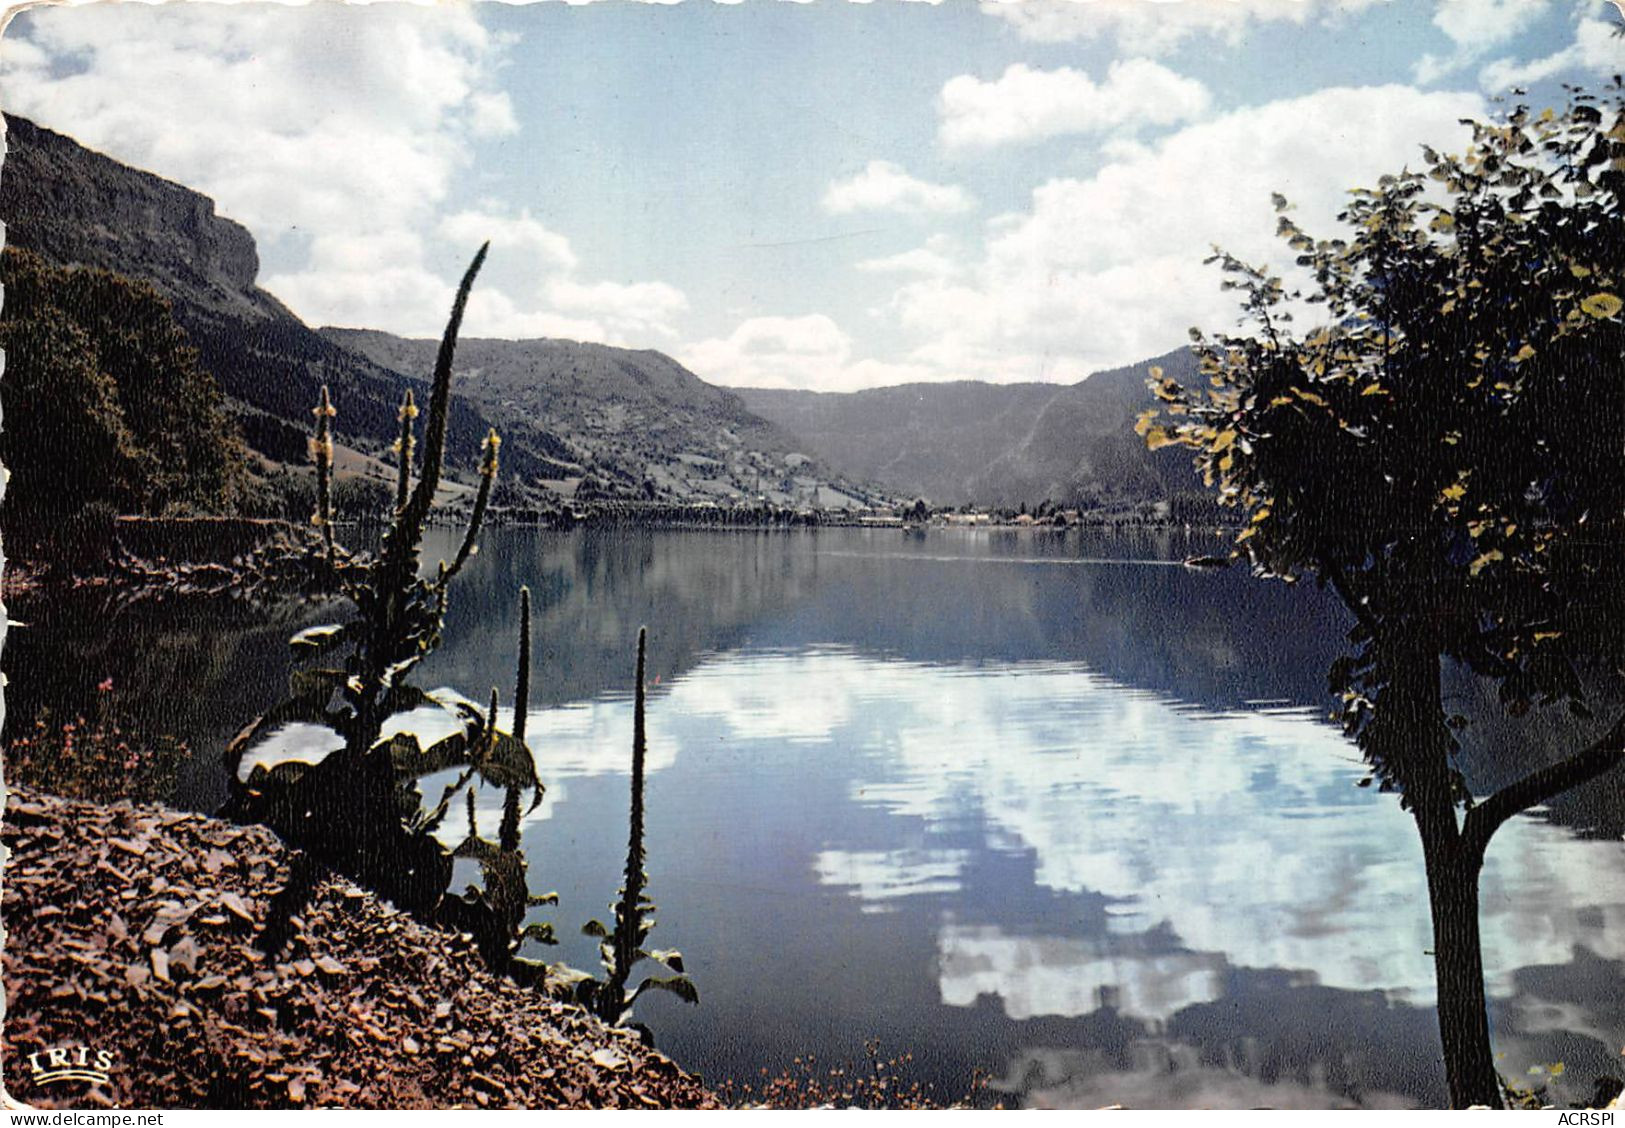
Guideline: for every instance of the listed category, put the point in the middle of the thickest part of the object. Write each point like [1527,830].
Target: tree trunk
[1458,964]
[1416,743]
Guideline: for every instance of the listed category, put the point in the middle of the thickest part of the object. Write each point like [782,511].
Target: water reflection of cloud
[1243,831]
[1055,975]
[878,877]
[595,738]
[1240,835]
[796,698]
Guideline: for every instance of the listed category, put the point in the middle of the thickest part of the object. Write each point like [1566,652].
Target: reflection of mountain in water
[698,593]
[1213,639]
[1216,640]
[1005,800]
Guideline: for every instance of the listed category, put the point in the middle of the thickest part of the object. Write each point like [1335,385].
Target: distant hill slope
[997,444]
[931,440]
[631,416]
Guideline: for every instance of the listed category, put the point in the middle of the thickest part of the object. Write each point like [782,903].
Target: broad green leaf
[317,685]
[567,977]
[479,849]
[671,957]
[680,985]
[509,763]
[411,759]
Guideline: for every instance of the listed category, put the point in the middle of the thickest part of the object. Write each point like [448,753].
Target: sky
[827,195]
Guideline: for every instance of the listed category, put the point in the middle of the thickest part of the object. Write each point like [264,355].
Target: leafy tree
[105,401]
[1443,451]
[65,440]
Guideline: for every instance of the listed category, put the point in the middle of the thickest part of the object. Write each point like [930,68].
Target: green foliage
[118,408]
[495,913]
[361,499]
[1442,450]
[623,948]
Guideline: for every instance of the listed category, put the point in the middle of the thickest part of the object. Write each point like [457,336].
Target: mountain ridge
[970,441]
[638,422]
[617,422]
[77,207]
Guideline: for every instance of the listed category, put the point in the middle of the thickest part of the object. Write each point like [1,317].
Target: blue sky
[826,195]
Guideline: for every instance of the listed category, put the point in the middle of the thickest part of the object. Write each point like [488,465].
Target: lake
[1042,805]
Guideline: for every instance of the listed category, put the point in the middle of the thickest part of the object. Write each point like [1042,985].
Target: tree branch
[1333,571]
[1486,818]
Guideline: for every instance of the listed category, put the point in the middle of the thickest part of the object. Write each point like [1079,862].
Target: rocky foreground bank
[157,940]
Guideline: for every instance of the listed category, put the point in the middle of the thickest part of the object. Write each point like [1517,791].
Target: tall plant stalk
[621,950]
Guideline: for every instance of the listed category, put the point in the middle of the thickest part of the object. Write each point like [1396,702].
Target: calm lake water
[1042,805]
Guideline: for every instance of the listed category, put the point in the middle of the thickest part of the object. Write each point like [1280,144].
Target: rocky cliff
[72,205]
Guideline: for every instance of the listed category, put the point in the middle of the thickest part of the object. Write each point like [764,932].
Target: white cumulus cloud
[810,351]
[1107,269]
[630,309]
[541,248]
[1026,104]
[936,259]
[296,121]
[884,186]
[1474,27]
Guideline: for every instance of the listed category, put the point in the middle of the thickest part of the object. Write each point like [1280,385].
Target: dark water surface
[1041,805]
